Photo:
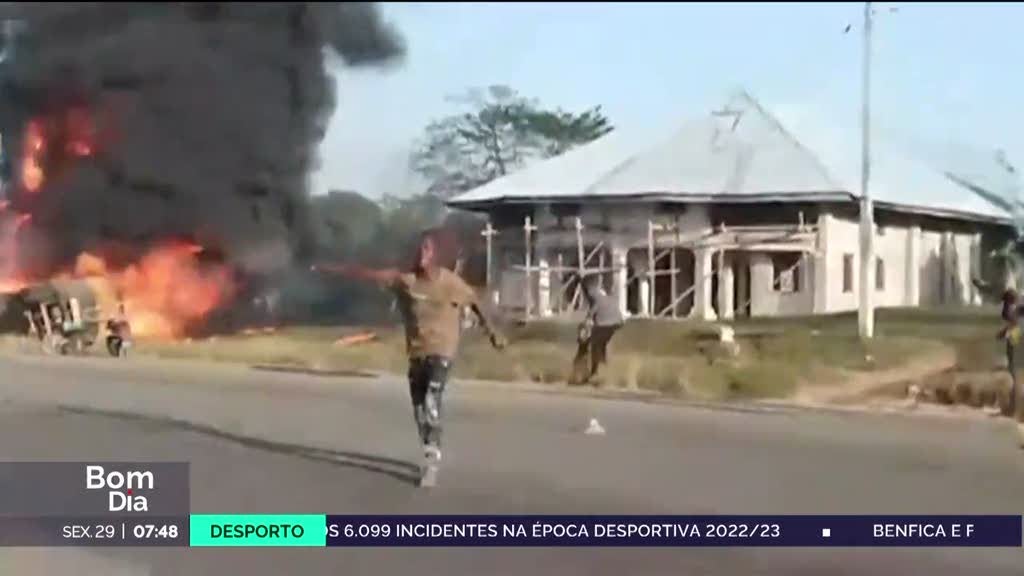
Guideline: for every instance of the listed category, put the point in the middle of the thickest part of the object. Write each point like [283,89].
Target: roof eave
[944,213]
[665,197]
[482,205]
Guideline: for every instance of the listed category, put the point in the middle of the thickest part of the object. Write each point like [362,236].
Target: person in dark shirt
[1010,333]
[603,320]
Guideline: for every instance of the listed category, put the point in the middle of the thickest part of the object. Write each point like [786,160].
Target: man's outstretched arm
[357,272]
[497,340]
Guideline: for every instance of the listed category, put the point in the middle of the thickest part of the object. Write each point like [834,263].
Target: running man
[431,299]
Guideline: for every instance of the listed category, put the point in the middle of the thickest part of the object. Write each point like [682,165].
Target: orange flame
[165,291]
[10,226]
[32,174]
[73,128]
[12,285]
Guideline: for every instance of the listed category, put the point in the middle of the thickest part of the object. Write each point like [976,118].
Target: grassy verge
[676,358]
[775,356]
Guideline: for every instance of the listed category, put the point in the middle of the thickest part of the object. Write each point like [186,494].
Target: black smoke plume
[204,121]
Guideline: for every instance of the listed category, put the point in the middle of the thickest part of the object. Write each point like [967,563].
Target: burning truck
[170,292]
[156,155]
[64,315]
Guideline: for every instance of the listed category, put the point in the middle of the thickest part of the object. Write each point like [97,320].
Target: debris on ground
[353,339]
[255,331]
[594,428]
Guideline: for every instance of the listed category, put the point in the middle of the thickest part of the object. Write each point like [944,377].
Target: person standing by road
[603,320]
[431,299]
[1010,333]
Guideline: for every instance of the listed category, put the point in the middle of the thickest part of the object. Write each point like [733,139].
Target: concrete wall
[891,250]
[962,267]
[843,239]
[767,301]
[931,266]
[946,262]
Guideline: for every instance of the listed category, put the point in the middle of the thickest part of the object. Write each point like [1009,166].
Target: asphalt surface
[263,442]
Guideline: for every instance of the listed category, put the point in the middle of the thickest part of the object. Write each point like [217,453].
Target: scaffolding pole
[716,296]
[528,229]
[763,238]
[581,270]
[561,283]
[488,234]
[674,280]
[652,264]
[580,261]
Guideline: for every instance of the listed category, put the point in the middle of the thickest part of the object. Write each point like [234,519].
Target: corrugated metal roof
[738,153]
[903,181]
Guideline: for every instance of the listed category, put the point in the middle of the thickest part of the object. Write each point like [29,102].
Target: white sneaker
[431,461]
[428,478]
[432,454]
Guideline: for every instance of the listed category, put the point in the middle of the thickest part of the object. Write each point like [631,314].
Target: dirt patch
[858,387]
[990,390]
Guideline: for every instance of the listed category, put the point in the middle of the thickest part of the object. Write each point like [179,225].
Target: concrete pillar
[621,278]
[976,266]
[638,261]
[763,301]
[498,279]
[912,280]
[543,286]
[821,276]
[645,297]
[702,267]
[949,272]
[726,302]
[806,272]
[742,271]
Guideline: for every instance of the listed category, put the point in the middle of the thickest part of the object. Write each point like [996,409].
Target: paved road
[278,443]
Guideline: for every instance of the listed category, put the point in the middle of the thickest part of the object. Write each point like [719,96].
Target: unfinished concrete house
[729,217]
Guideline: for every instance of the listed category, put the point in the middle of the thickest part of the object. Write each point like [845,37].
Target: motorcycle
[117,343]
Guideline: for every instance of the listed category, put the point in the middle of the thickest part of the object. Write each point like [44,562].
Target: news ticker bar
[313,530]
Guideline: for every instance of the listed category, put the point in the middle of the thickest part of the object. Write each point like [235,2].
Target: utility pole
[866,309]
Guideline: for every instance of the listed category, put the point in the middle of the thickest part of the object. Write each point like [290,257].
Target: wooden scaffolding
[663,241]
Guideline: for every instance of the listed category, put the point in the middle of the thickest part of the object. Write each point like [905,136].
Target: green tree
[405,219]
[560,131]
[345,223]
[501,132]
